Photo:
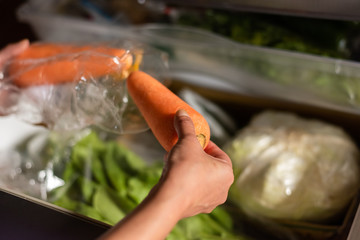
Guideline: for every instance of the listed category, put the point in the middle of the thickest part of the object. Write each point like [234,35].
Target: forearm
[153,219]
[193,181]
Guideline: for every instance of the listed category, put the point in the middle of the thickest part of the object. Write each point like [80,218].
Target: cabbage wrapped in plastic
[291,168]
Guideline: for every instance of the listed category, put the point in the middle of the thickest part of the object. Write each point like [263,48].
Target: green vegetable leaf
[106,206]
[116,175]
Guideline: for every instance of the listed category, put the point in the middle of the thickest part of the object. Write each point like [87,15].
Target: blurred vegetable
[309,35]
[50,63]
[291,168]
[105,181]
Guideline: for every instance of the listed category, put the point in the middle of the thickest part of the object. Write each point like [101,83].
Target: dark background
[22,218]
[11,30]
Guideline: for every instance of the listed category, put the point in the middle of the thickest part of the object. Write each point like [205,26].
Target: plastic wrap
[71,86]
[101,177]
[292,169]
[210,60]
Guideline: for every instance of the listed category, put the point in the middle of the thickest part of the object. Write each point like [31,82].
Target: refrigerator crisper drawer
[20,211]
[23,217]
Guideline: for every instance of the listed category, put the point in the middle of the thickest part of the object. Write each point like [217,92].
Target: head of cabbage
[290,168]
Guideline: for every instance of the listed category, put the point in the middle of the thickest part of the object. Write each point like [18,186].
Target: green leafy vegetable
[105,204]
[105,181]
[309,35]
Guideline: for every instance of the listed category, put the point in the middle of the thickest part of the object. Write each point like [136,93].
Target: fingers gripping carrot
[158,105]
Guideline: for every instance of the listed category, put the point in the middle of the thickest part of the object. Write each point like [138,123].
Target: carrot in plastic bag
[51,63]
[158,105]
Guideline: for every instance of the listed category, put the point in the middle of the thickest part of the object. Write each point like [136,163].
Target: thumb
[183,124]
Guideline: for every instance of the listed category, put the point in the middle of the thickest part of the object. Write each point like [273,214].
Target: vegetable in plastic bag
[71,86]
[104,180]
[291,168]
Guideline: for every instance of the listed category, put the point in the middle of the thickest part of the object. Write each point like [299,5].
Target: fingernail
[182,112]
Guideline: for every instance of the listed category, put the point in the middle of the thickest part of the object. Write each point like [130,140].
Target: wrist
[174,200]
[157,215]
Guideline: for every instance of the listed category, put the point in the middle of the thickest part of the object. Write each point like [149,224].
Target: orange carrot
[158,106]
[50,63]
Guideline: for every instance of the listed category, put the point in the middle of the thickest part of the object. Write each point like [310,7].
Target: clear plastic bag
[88,173]
[290,168]
[74,86]
[294,176]
[212,61]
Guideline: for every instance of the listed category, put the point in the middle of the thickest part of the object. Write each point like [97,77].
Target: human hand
[198,179]
[193,181]
[10,51]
